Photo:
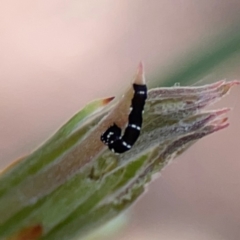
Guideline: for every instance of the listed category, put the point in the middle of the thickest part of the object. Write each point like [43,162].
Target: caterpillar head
[112,134]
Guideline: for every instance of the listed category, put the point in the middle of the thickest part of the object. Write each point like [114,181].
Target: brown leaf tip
[107,100]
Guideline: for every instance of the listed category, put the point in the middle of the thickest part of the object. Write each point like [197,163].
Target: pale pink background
[55,56]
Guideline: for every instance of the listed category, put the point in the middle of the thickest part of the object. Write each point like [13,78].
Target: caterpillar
[112,136]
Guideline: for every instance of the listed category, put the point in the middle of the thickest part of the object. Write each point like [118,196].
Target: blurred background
[55,56]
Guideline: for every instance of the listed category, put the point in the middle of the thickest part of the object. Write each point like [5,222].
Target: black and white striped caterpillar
[112,136]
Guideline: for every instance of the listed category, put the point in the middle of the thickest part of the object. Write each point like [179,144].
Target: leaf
[203,59]
[73,183]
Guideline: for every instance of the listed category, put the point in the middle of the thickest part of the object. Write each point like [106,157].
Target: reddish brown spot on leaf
[28,233]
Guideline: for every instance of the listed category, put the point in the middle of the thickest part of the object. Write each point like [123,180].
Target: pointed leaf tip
[140,77]
[221,111]
[107,100]
[234,82]
[222,125]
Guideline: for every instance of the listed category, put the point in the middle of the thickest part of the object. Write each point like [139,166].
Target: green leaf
[199,62]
